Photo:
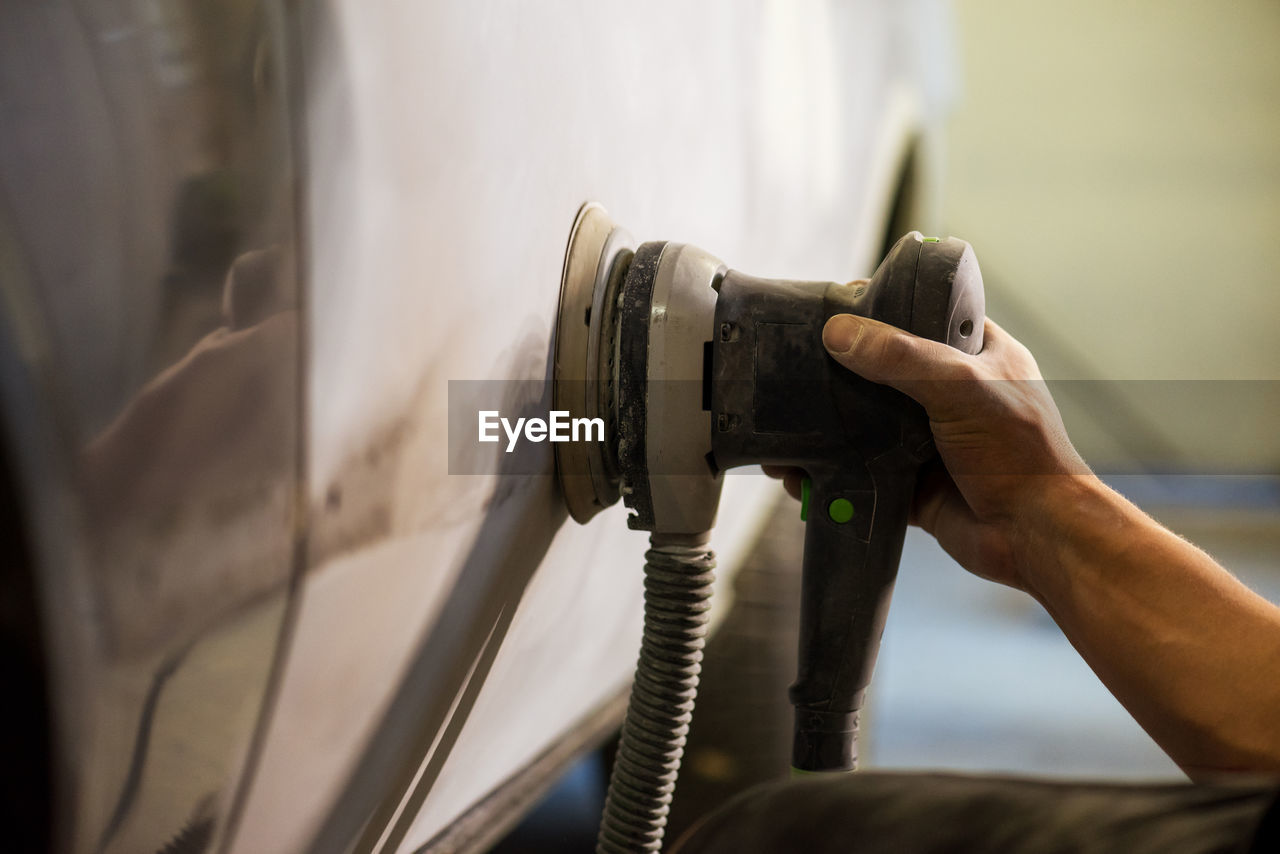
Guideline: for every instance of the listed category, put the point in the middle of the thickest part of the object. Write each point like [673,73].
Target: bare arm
[1192,653]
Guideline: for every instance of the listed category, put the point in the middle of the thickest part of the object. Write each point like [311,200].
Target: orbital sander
[695,368]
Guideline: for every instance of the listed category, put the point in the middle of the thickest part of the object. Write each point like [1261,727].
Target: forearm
[1192,653]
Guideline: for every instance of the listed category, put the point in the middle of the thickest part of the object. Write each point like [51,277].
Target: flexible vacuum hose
[678,572]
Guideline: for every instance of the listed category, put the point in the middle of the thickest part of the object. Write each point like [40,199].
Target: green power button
[840,510]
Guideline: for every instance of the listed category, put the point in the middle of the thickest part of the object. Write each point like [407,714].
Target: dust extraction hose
[678,572]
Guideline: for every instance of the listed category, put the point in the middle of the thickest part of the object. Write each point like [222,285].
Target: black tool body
[777,397]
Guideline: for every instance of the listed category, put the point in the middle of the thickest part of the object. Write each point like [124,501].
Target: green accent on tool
[800,773]
[840,510]
[806,488]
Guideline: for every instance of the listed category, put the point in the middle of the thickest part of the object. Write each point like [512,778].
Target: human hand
[1176,637]
[1003,449]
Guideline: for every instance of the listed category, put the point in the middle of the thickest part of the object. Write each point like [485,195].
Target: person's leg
[872,813]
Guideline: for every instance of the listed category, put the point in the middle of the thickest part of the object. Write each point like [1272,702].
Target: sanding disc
[586,357]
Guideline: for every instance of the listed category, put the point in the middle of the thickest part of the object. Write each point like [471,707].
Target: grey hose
[678,572]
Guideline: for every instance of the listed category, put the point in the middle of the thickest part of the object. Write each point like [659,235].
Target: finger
[994,337]
[792,483]
[990,327]
[790,476]
[932,477]
[940,509]
[935,490]
[920,368]
[1013,357]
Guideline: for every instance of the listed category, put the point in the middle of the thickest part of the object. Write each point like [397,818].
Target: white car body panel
[247,248]
[449,152]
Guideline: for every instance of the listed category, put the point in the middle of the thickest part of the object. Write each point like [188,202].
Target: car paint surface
[270,474]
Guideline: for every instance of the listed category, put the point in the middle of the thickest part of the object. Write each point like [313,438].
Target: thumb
[886,354]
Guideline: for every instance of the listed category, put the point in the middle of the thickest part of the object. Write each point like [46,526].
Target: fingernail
[841,333]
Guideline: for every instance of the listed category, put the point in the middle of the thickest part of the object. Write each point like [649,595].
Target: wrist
[1067,522]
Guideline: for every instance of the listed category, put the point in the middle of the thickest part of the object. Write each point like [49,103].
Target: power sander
[695,369]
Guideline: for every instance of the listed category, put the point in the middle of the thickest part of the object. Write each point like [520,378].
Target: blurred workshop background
[1118,166]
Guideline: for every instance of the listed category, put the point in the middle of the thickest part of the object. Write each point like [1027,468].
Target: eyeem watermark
[1132,416]
[558,427]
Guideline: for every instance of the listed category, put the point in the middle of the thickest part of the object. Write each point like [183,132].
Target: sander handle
[777,397]
[856,521]
[858,505]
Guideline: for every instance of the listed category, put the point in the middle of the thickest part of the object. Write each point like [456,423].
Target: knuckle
[896,353]
[966,370]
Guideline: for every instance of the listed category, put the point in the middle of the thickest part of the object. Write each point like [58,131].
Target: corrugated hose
[678,572]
